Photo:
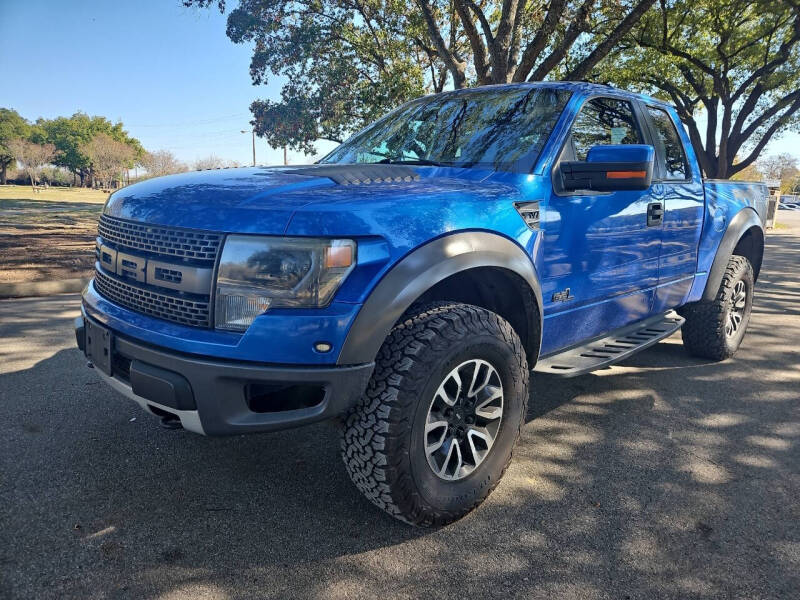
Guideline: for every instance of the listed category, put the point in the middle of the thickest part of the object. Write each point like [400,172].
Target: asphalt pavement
[663,477]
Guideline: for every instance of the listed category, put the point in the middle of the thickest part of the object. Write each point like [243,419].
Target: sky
[169,73]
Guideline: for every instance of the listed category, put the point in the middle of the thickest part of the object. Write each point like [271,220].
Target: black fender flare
[419,271]
[743,221]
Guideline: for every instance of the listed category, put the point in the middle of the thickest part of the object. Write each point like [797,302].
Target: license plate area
[99,342]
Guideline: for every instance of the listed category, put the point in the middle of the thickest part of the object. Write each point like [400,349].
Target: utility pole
[253,131]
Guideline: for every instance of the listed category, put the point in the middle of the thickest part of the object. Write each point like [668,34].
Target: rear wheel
[714,329]
[433,433]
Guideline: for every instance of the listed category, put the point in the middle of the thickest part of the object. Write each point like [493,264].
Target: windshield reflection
[502,129]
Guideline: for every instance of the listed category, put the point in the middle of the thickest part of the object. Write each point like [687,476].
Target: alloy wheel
[737,311]
[463,419]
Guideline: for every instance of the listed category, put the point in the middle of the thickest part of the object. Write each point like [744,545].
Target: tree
[209,162]
[526,40]
[71,136]
[791,186]
[749,173]
[107,157]
[347,62]
[32,156]
[778,166]
[161,162]
[12,127]
[735,62]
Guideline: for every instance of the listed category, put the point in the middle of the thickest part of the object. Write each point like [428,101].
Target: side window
[670,145]
[604,121]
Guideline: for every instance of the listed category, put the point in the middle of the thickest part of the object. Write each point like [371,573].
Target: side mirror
[610,168]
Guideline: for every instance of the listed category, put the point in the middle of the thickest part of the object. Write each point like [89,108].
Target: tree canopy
[735,63]
[161,162]
[781,166]
[349,61]
[72,136]
[107,156]
[72,139]
[12,127]
[32,156]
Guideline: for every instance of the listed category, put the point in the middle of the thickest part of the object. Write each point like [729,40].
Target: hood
[267,199]
[251,199]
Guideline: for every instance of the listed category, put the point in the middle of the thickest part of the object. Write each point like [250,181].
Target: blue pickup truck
[408,282]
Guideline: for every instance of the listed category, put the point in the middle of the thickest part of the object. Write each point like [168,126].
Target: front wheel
[434,431]
[714,329]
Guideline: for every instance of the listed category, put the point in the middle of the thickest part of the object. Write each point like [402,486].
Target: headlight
[257,272]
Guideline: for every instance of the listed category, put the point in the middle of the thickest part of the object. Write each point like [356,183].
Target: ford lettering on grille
[162,272]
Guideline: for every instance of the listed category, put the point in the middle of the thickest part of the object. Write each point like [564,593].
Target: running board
[616,346]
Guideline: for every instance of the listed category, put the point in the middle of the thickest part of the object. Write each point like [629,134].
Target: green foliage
[750,173]
[71,136]
[735,62]
[55,176]
[348,62]
[108,157]
[12,126]
[782,167]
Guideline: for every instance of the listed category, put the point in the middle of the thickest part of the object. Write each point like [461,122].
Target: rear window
[669,145]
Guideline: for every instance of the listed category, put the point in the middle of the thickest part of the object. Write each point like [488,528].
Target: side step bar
[614,347]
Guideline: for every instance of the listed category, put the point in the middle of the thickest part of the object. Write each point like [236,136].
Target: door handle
[655,214]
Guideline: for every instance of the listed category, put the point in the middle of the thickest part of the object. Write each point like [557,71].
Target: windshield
[500,129]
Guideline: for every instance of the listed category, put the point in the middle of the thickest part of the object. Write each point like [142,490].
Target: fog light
[236,312]
[322,347]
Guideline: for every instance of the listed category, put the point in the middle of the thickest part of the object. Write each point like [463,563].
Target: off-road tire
[381,445]
[704,332]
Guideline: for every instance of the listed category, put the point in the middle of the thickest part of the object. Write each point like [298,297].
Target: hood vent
[359,174]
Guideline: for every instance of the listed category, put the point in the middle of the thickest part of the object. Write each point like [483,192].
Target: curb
[42,288]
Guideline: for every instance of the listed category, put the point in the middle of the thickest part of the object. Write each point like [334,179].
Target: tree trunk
[3,175]
[717,168]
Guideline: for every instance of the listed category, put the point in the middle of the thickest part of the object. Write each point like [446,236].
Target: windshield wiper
[410,161]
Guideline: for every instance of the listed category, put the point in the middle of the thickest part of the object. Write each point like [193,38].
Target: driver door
[600,256]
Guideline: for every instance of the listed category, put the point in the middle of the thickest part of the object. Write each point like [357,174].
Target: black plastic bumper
[221,391]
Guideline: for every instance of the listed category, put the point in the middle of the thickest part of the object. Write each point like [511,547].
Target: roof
[583,87]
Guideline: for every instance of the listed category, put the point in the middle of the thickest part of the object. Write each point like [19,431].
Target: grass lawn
[47,235]
[24,192]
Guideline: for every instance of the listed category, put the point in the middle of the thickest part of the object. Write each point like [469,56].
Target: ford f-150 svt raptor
[409,281]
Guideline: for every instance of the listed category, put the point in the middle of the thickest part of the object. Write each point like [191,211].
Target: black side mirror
[610,168]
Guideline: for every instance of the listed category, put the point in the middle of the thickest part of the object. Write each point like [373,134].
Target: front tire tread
[375,429]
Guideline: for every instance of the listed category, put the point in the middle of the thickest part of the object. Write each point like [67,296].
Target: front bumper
[216,397]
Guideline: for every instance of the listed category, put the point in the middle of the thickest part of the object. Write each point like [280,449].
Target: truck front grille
[163,272]
[164,241]
[171,308]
